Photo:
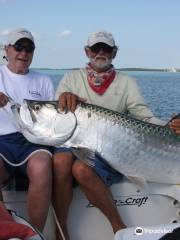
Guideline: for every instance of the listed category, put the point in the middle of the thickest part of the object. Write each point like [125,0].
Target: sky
[146,32]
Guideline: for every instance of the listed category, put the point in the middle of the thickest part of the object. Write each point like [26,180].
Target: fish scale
[140,150]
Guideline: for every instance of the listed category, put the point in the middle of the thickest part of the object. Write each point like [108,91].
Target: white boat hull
[149,206]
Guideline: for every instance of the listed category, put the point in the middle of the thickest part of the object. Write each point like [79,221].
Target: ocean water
[161,90]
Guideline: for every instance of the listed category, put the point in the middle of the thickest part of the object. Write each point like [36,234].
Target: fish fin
[140,181]
[86,155]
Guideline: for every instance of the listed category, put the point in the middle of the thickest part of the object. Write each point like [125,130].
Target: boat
[173,69]
[153,206]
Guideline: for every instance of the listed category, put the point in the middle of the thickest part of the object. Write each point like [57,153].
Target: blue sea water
[161,90]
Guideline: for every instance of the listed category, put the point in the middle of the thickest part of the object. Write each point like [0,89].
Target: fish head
[39,110]
[43,122]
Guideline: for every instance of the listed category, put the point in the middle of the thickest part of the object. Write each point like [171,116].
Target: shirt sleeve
[137,106]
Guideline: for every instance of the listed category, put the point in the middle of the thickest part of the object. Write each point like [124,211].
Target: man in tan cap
[18,82]
[100,84]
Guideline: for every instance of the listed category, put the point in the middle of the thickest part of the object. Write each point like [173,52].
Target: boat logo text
[129,201]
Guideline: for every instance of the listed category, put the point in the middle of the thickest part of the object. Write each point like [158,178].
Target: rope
[58,225]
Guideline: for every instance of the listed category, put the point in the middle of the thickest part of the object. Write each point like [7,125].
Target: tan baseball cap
[101,36]
[18,34]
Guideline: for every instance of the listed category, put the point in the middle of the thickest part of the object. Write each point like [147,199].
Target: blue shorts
[15,148]
[103,170]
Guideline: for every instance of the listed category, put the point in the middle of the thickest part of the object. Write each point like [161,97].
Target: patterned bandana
[99,82]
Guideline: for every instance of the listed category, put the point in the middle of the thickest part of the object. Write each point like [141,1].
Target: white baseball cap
[101,36]
[17,34]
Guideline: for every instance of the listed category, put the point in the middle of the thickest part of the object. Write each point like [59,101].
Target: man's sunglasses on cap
[98,46]
[19,47]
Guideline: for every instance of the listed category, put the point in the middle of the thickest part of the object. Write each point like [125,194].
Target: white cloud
[4,32]
[65,33]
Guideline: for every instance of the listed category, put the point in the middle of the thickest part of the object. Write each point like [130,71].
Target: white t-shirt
[33,85]
[122,95]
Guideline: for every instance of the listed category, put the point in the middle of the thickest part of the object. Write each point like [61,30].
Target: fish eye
[37,107]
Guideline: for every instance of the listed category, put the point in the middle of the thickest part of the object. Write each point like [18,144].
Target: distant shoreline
[119,69]
[124,69]
[150,69]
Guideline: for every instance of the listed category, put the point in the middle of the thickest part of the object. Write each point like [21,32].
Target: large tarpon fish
[140,150]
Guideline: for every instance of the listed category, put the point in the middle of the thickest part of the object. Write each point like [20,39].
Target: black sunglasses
[19,48]
[97,47]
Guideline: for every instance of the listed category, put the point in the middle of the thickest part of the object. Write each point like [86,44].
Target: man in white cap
[100,84]
[18,82]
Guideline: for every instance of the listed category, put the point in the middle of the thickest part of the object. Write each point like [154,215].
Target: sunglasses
[19,48]
[97,47]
